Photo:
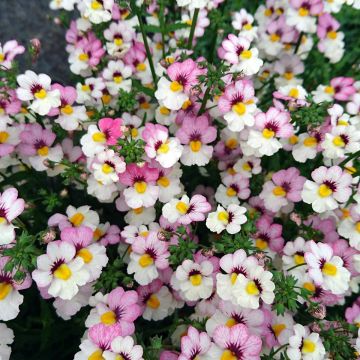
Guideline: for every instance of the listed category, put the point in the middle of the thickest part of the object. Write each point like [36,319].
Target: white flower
[6,339]
[304,345]
[159,305]
[116,76]
[249,63]
[170,94]
[37,89]
[305,147]
[93,142]
[70,117]
[193,280]
[67,5]
[60,270]
[123,347]
[255,286]
[230,219]
[97,11]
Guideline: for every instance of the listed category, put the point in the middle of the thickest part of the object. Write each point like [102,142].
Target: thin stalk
[162,26]
[204,101]
[298,43]
[192,30]
[146,44]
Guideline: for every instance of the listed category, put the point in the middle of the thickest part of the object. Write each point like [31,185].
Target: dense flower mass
[194,194]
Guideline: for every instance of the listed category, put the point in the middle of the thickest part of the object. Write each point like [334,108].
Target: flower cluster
[195,194]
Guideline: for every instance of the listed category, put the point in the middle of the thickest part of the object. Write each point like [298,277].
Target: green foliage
[22,256]
[183,250]
[132,150]
[126,101]
[287,293]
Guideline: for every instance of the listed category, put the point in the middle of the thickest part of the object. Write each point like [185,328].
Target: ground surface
[27,19]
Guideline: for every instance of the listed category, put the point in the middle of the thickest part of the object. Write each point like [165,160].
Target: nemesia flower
[124,347]
[305,345]
[237,105]
[9,51]
[331,187]
[97,11]
[195,344]
[148,255]
[37,89]
[60,270]
[325,269]
[195,133]
[165,150]
[10,208]
[185,210]
[6,339]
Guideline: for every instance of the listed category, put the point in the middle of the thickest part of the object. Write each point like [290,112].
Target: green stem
[350,157]
[146,44]
[162,26]
[192,30]
[296,266]
[204,101]
[298,42]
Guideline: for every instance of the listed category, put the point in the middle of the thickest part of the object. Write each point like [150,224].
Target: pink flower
[92,47]
[9,103]
[194,344]
[342,249]
[102,336]
[111,235]
[185,73]
[352,314]
[278,30]
[120,311]
[314,7]
[238,341]
[111,128]
[343,88]
[232,47]
[326,227]
[10,205]
[268,235]
[326,24]
[276,122]
[195,133]
[8,51]
[68,96]
[169,355]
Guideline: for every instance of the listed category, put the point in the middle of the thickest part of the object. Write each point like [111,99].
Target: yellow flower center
[233,278]
[310,142]
[175,86]
[138,211]
[247,27]
[186,104]
[118,41]
[309,286]
[163,181]
[107,169]
[246,166]
[85,254]
[41,94]
[293,139]
[246,54]
[252,289]
[83,57]
[141,67]
[324,190]
[134,132]
[5,289]
[357,226]
[279,191]
[182,207]
[146,260]
[308,347]
[2,220]
[299,259]
[268,134]
[2,57]
[164,148]
[67,110]
[303,12]
[140,186]
[97,234]
[96,355]
[145,105]
[261,244]
[231,322]
[239,108]
[99,137]
[231,191]
[288,75]
[294,93]
[77,219]
[153,302]
[85,87]
[95,5]
[43,151]
[144,234]
[268,12]
[118,79]
[228,355]
[278,328]
[223,216]
[108,318]
[329,90]
[231,143]
[329,269]
[164,111]
[332,35]
[4,137]
[63,272]
[196,279]
[274,37]
[195,146]
[338,141]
